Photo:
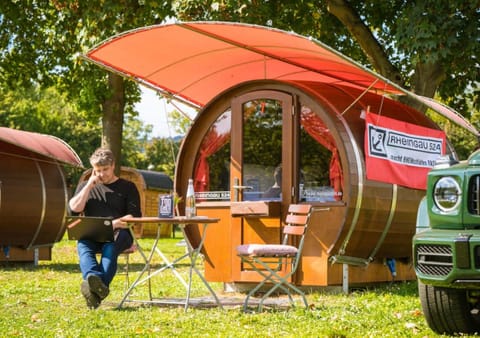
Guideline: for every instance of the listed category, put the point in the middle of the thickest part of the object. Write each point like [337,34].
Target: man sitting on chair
[104,195]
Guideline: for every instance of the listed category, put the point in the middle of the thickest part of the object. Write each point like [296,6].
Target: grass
[44,301]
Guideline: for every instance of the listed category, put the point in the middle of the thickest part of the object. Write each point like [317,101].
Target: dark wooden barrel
[33,201]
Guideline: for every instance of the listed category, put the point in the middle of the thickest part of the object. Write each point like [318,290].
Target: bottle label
[190,212]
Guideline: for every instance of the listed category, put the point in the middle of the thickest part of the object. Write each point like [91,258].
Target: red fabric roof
[198,60]
[24,143]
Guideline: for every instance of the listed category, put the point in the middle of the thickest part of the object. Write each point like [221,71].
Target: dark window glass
[320,170]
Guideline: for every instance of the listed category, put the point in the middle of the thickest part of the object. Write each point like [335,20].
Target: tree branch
[364,37]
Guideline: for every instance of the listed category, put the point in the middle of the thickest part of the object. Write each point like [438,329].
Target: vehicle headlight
[447,193]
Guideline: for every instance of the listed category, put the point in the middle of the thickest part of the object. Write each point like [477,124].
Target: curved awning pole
[449,113]
[172,102]
[359,96]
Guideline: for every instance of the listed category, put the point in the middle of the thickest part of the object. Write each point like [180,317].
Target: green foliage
[41,41]
[463,142]
[314,161]
[135,136]
[158,154]
[179,122]
[219,163]
[449,36]
[47,111]
[45,38]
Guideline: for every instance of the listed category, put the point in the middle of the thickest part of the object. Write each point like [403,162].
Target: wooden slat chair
[270,259]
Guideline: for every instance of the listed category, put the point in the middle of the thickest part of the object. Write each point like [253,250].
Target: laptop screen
[99,229]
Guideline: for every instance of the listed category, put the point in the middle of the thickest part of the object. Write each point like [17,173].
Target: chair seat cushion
[266,250]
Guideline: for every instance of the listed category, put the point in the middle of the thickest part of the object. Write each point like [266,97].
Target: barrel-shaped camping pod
[285,119]
[316,136]
[33,192]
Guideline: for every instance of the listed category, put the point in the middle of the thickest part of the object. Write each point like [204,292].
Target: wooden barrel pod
[33,188]
[366,222]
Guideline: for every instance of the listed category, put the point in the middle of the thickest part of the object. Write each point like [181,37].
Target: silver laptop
[98,229]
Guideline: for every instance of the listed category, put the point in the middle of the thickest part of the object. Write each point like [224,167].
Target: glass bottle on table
[190,209]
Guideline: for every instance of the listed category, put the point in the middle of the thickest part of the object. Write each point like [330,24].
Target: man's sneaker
[93,301]
[97,286]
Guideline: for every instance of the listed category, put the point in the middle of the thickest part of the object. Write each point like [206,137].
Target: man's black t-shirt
[115,200]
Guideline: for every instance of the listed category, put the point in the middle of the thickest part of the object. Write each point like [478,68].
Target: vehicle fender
[423,221]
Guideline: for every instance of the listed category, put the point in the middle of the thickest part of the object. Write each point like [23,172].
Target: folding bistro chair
[137,231]
[270,260]
[126,270]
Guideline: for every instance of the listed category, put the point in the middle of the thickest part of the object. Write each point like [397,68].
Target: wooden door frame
[289,154]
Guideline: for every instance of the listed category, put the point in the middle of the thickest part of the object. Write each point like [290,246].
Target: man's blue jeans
[107,267]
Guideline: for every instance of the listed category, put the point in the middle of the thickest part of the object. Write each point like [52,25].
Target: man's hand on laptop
[119,224]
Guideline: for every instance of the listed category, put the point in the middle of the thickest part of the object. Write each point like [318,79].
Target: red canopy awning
[198,60]
[29,144]
[195,61]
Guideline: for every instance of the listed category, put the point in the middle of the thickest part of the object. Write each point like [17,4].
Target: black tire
[446,310]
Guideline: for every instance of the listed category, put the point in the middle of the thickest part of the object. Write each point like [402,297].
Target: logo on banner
[377,141]
[403,148]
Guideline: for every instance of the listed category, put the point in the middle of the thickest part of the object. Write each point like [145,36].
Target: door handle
[243,187]
[237,188]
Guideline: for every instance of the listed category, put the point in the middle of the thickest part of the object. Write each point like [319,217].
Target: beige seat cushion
[266,250]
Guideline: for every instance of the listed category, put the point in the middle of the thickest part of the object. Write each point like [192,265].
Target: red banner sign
[399,152]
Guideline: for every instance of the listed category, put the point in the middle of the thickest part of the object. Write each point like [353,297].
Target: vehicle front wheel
[448,311]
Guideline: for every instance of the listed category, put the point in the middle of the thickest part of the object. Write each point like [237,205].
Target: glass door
[261,131]
[261,143]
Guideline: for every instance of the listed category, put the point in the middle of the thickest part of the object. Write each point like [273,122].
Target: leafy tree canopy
[41,41]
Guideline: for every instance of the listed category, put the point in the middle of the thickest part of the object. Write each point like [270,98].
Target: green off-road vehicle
[446,247]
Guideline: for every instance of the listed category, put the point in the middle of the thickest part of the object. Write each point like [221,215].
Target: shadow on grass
[74,267]
[401,288]
[139,266]
[29,266]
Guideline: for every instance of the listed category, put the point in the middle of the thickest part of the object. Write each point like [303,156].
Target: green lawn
[44,301]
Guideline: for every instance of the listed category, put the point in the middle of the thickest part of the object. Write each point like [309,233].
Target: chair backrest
[297,222]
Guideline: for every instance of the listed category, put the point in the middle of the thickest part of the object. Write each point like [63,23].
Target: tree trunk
[425,81]
[112,120]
